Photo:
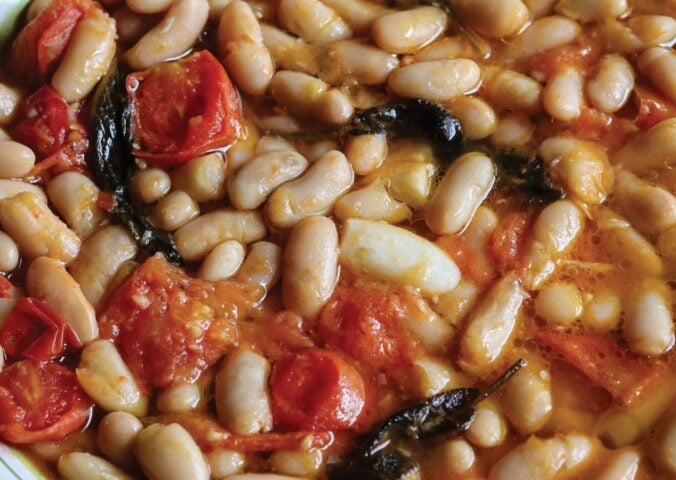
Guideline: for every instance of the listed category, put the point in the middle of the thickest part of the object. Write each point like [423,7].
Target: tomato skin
[183,109]
[6,287]
[316,390]
[44,123]
[40,401]
[467,258]
[508,240]
[652,107]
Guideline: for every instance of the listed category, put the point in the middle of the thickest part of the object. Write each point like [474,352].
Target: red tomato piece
[508,240]
[469,260]
[41,44]
[39,402]
[6,287]
[183,109]
[34,330]
[169,327]
[652,107]
[316,390]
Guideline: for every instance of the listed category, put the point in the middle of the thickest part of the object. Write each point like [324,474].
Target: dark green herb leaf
[527,175]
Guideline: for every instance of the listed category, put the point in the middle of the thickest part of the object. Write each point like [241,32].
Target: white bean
[513,130]
[203,178]
[437,81]
[397,255]
[445,48]
[262,265]
[9,253]
[372,202]
[9,103]
[168,452]
[433,376]
[454,457]
[131,26]
[310,265]
[610,87]
[352,59]
[559,303]
[654,30]
[488,429]
[658,64]
[666,244]
[535,459]
[650,150]
[105,377]
[85,466]
[314,193]
[313,21]
[527,399]
[426,325]
[598,10]
[477,118]
[272,143]
[149,6]
[366,152]
[75,197]
[602,312]
[358,14]
[318,149]
[116,437]
[242,398]
[224,463]
[150,184]
[493,18]
[651,209]
[16,159]
[174,211]
[666,446]
[222,262]
[181,398]
[510,90]
[173,36]
[543,34]
[198,237]
[10,188]
[649,327]
[563,96]
[304,463]
[457,303]
[624,466]
[292,53]
[408,30]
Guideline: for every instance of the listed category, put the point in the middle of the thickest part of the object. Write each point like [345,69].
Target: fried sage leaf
[528,175]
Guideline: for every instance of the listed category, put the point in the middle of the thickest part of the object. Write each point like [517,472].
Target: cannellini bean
[150,184]
[649,327]
[445,48]
[514,130]
[491,325]
[240,43]
[610,87]
[397,255]
[16,159]
[222,262]
[527,400]
[543,34]
[10,188]
[116,436]
[149,6]
[105,377]
[202,178]
[305,95]
[366,152]
[242,398]
[437,81]
[4,135]
[650,150]
[666,446]
[434,376]
[510,90]
[174,211]
[366,64]
[181,398]
[453,457]
[462,190]
[654,30]
[262,265]
[91,50]
[658,65]
[408,30]
[224,463]
[314,193]
[598,10]
[410,182]
[535,459]
[602,312]
[173,36]
[272,143]
[666,244]
[488,429]
[9,253]
[75,197]
[310,265]
[372,202]
[168,452]
[9,103]
[559,303]
[651,209]
[493,18]
[48,280]
[318,149]
[313,21]
[131,26]
[358,14]
[297,462]
[99,260]
[563,96]
[457,303]
[425,324]
[477,118]
[252,184]
[243,149]
[617,37]
[198,237]
[292,53]
[85,466]
[624,466]
[581,166]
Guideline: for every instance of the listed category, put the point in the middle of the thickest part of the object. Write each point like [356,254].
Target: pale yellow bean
[617,37]
[457,303]
[610,87]
[433,376]
[366,152]
[262,265]
[222,262]
[623,466]
[310,265]
[4,135]
[372,202]
[477,118]
[666,244]
[292,53]
[314,193]
[173,36]
[543,34]
[535,459]
[318,149]
[649,327]
[513,130]
[85,466]
[602,312]
[510,90]
[425,325]
[408,30]
[149,6]
[240,44]
[437,81]
[493,18]
[540,8]
[313,21]
[181,398]
[174,211]
[358,14]
[527,400]
[488,429]
[131,26]
[150,184]
[16,159]
[91,50]
[563,96]
[198,237]
[353,59]
[168,452]
[9,103]
[654,30]
[598,10]
[659,64]
[116,437]
[272,143]
[75,197]
[224,463]
[559,303]
[650,150]
[216,8]
[304,463]
[203,178]
[666,446]
[650,209]
[9,253]
[445,48]
[454,457]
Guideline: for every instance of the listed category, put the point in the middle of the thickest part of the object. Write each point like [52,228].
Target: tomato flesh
[45,121]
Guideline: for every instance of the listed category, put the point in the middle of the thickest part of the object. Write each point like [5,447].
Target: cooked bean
[366,152]
[216,8]
[173,36]
[272,143]
[649,327]
[131,26]
[252,184]
[457,303]
[75,197]
[658,64]
[397,255]
[10,188]
[445,48]
[493,18]
[198,237]
[202,178]
[9,254]
[242,398]
[16,159]
[477,118]
[666,244]
[99,260]
[358,14]
[617,37]
[513,130]
[488,429]
[85,466]
[116,437]
[352,59]
[434,377]
[314,193]
[105,377]
[491,325]
[535,459]
[409,182]
[453,457]
[9,103]
[623,466]
[654,30]
[224,463]
[263,476]
[292,53]
[602,312]
[372,202]
[174,211]
[409,30]
[91,50]
[527,399]
[650,149]
[510,90]
[150,184]
[240,43]
[585,11]
[543,34]
[168,452]
[651,209]
[262,265]
[464,187]
[310,265]
[222,262]
[4,135]
[563,96]
[7,304]
[316,150]
[559,303]
[304,463]
[540,8]
[610,87]
[425,325]
[666,446]
[437,81]
[181,398]
[149,6]
[313,21]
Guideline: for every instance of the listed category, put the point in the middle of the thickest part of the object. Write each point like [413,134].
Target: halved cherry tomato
[316,390]
[44,123]
[183,109]
[39,402]
[39,47]
[508,240]
[34,330]
[6,287]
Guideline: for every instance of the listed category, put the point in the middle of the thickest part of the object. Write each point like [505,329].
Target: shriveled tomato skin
[40,401]
[183,109]
[169,327]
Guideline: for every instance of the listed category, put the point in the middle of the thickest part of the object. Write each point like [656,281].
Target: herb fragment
[526,174]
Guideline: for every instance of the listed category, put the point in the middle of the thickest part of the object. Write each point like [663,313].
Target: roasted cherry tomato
[316,390]
[6,287]
[183,109]
[34,330]
[39,402]
[44,123]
